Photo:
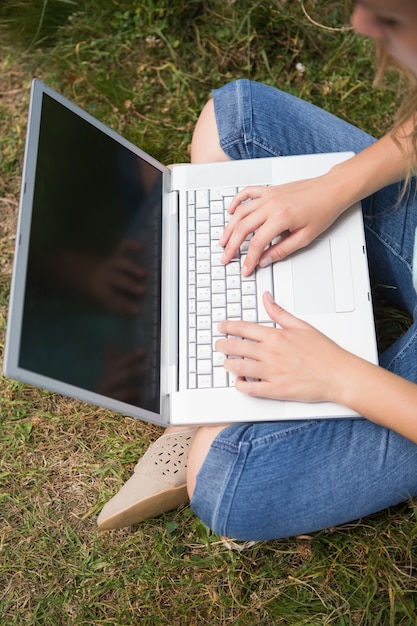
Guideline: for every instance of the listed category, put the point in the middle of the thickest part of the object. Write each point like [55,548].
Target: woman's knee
[205,145]
[198,452]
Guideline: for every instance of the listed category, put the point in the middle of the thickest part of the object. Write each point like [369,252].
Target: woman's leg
[280,479]
[271,480]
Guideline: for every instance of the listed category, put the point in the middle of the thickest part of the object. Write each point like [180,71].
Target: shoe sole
[147,508]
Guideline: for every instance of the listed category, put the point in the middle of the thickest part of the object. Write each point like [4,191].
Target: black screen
[92,307]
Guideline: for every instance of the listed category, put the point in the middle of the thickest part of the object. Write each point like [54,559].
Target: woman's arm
[380,396]
[304,209]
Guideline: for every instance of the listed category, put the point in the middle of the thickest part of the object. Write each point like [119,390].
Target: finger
[245,349]
[245,330]
[258,248]
[248,193]
[279,315]
[281,250]
[245,368]
[259,388]
[240,223]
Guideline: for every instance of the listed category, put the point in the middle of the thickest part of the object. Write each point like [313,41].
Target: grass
[146,69]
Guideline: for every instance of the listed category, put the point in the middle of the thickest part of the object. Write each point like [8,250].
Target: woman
[271,480]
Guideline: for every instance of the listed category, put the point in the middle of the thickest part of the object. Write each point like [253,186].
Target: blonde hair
[408,109]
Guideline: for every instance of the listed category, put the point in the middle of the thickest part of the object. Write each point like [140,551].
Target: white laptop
[118,288]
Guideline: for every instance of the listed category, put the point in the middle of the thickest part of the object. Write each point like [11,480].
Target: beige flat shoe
[157,485]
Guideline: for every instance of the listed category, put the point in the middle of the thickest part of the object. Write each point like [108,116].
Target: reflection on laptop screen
[92,308]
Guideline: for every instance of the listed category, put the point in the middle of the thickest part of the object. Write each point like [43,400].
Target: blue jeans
[270,480]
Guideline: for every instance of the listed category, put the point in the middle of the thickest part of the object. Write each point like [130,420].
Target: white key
[218,359]
[192,307]
[220,377]
[234,309]
[192,381]
[202,227]
[248,287]
[249,302]
[219,192]
[218,286]
[204,381]
[202,239]
[233,295]
[233,268]
[202,266]
[191,197]
[204,351]
[192,335]
[216,232]
[218,300]
[203,336]
[218,272]
[203,308]
[216,193]
[202,198]
[192,364]
[216,206]
[233,281]
[203,294]
[202,214]
[203,254]
[203,322]
[250,315]
[216,258]
[218,314]
[191,278]
[192,353]
[217,218]
[203,280]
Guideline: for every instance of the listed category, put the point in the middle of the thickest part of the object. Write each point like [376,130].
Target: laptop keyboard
[216,291]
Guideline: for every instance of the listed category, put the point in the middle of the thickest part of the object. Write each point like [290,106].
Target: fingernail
[265,261]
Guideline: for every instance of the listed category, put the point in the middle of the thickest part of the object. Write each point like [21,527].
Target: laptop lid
[85,307]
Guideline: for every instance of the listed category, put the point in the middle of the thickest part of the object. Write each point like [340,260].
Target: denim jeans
[278,479]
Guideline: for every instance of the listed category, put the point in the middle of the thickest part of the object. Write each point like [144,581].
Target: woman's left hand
[293,362]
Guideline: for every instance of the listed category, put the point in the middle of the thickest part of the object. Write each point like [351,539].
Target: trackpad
[322,278]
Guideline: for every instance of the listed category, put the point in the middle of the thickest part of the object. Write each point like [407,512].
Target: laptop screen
[92,313]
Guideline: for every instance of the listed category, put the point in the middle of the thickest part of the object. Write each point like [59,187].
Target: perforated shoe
[157,485]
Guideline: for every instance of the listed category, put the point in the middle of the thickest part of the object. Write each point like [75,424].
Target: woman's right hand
[296,213]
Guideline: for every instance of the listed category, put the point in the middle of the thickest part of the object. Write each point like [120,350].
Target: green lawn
[146,68]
